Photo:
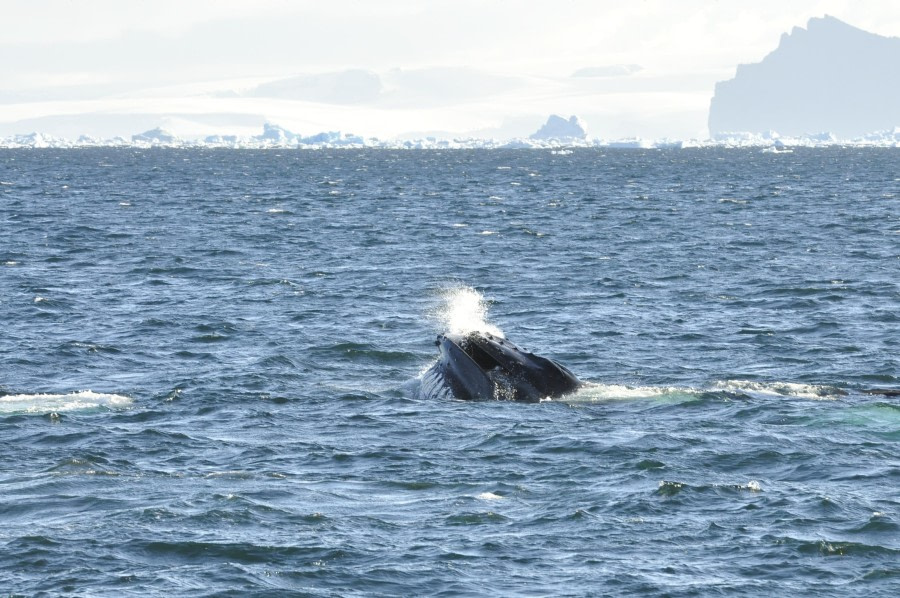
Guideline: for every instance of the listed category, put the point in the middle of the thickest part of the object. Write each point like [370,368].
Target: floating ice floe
[555,138]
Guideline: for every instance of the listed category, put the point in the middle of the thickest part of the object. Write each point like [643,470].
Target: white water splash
[56,403]
[464,310]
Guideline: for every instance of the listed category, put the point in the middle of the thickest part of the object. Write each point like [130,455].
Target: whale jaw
[481,366]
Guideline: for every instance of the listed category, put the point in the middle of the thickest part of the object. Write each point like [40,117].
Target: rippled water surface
[209,365]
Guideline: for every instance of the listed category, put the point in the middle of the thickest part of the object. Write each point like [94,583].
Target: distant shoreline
[775,144]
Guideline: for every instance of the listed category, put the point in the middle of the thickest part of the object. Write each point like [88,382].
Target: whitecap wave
[56,403]
[489,496]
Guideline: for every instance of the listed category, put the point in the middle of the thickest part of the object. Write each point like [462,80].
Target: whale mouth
[470,346]
[481,365]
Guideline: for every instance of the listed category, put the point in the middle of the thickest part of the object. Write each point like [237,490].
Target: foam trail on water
[596,392]
[55,403]
[464,310]
[593,392]
[781,389]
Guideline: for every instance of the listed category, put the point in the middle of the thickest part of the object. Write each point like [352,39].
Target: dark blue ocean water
[209,365]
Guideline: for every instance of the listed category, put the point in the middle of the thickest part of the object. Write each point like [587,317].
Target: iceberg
[35,140]
[155,136]
[559,128]
[830,76]
[275,134]
[323,138]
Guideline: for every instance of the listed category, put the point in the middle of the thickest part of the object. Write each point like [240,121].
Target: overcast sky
[387,68]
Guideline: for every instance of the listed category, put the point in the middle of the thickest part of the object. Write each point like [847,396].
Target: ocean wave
[826,547]
[56,403]
[671,488]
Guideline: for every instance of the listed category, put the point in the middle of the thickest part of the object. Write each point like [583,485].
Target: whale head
[479,365]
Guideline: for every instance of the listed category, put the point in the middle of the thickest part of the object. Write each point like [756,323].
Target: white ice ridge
[56,403]
[274,137]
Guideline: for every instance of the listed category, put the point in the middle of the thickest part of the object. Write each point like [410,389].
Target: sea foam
[781,389]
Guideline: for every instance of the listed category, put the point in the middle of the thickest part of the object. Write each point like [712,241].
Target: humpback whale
[482,366]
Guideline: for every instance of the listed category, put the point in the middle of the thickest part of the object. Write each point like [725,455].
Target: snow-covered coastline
[274,137]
